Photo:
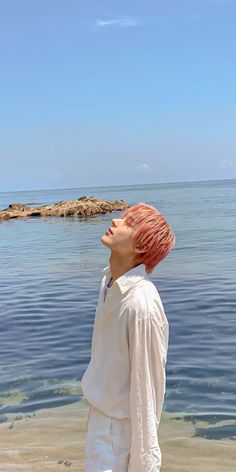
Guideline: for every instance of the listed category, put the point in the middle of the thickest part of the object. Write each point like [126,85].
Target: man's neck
[119,267]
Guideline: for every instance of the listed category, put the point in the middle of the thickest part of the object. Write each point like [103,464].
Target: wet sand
[54,440]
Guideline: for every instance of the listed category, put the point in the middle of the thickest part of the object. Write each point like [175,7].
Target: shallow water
[49,282]
[52,439]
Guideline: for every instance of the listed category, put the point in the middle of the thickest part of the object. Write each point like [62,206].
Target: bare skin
[121,245]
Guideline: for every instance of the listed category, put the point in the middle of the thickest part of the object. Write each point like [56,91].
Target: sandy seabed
[54,440]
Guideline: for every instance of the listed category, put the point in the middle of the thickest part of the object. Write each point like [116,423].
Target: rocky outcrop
[83,206]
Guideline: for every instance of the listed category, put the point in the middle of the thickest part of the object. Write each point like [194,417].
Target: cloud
[144,167]
[131,21]
[227,164]
[120,22]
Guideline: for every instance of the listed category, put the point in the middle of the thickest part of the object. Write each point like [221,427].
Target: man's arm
[147,357]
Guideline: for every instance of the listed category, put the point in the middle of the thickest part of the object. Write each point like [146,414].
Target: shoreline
[54,439]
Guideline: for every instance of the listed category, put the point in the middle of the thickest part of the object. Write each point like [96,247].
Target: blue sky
[114,93]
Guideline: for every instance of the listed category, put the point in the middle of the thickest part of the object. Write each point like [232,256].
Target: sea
[50,273]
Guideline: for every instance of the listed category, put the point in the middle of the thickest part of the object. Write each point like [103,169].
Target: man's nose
[116,220]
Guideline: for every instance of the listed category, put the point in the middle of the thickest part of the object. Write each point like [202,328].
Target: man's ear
[139,251]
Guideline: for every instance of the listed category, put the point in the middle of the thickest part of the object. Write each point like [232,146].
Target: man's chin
[105,240]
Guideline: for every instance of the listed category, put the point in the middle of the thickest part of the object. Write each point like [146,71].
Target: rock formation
[83,206]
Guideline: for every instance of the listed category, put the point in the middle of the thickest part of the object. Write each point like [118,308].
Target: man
[124,382]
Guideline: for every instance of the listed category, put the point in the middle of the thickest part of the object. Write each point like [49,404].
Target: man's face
[119,237]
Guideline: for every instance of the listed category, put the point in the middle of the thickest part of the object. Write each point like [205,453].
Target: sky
[116,93]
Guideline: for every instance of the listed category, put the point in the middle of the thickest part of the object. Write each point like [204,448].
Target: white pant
[108,443]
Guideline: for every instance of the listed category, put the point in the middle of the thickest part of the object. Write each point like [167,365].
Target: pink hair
[153,236]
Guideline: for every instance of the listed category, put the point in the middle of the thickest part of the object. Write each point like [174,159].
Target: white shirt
[126,375]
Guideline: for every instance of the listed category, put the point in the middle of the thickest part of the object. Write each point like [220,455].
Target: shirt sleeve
[148,345]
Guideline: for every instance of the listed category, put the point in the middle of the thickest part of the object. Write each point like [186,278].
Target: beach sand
[54,440]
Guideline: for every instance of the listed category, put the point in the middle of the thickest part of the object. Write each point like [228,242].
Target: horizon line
[123,185]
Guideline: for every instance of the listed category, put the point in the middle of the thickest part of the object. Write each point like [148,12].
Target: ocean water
[50,273]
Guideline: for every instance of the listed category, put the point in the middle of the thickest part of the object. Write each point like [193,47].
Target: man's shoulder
[144,301]
[146,290]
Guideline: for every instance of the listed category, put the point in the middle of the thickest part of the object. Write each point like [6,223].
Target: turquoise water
[49,283]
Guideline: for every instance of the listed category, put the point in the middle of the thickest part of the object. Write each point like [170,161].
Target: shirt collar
[129,278]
